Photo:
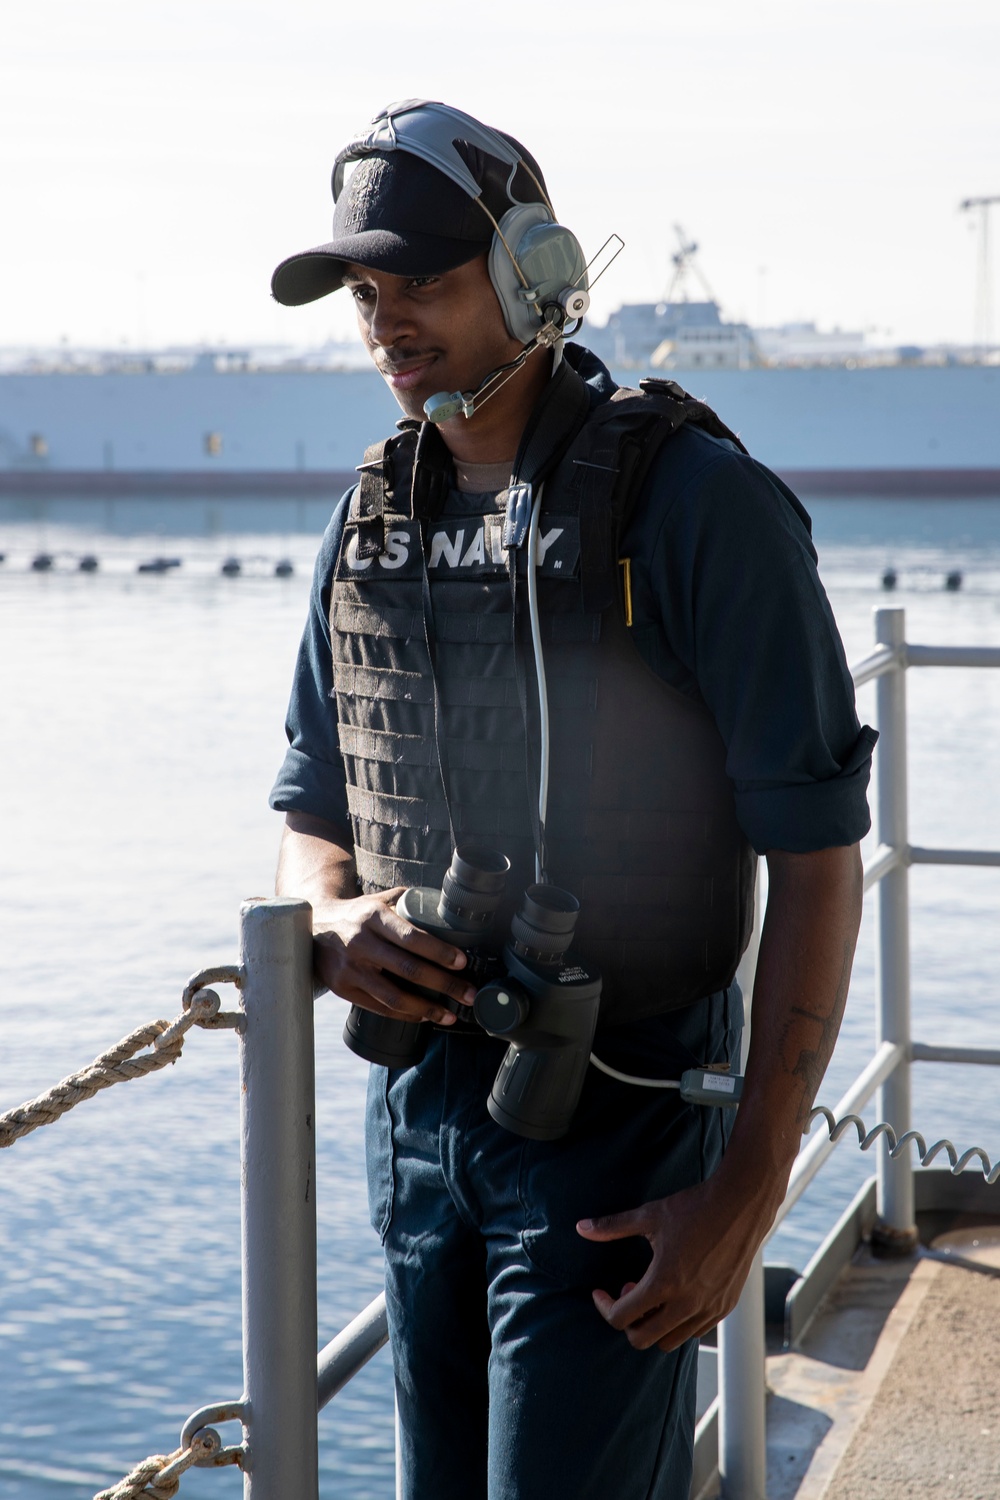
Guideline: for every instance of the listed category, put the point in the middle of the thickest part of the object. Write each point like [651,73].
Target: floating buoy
[232,567]
[88,563]
[889,578]
[42,562]
[282,569]
[953,581]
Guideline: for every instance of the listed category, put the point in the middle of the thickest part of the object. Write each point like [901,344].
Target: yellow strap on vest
[625,563]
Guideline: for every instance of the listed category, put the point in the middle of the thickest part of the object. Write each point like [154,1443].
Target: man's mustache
[402,362]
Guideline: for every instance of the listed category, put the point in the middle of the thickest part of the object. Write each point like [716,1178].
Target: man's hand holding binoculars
[363,947]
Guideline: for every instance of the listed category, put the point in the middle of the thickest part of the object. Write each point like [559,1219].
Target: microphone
[444,406]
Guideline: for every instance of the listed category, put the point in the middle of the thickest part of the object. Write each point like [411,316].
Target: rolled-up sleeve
[312,778]
[731,607]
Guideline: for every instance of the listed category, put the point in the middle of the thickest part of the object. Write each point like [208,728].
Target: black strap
[639,452]
[417,462]
[432,475]
[377,473]
[698,412]
[558,416]
[597,478]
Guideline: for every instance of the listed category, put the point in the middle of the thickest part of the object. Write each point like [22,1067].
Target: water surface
[141,728]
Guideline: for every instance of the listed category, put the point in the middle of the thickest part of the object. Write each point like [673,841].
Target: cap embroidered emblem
[365,187]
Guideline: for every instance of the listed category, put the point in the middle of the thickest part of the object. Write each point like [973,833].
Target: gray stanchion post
[279,1201]
[895,1178]
[742,1351]
[742,1393]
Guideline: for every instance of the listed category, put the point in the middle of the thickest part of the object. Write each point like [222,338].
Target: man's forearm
[315,861]
[800,991]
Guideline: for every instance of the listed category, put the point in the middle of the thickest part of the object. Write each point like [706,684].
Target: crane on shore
[685,265]
[984,309]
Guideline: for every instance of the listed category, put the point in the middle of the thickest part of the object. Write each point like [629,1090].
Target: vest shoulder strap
[652,415]
[560,413]
[367,513]
[396,480]
[698,412]
[623,438]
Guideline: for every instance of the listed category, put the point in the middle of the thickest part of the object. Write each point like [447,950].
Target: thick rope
[120,1064]
[159,1476]
[142,1479]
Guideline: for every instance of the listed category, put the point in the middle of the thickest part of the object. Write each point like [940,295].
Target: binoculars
[533,993]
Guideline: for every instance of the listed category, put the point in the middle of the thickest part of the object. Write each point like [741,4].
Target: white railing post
[279,1201]
[895,1178]
[742,1351]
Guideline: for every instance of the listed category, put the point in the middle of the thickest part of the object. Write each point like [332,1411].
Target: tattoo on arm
[811,1063]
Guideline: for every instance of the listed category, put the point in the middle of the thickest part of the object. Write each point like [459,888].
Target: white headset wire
[646,1083]
[543,697]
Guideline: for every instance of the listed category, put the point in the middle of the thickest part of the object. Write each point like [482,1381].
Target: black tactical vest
[641,825]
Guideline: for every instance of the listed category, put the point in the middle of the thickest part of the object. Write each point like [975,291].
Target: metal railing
[285,1388]
[740,1410]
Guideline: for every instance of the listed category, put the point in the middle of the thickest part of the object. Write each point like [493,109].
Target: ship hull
[894,430]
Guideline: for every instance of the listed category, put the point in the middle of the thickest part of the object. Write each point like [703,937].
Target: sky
[159,157]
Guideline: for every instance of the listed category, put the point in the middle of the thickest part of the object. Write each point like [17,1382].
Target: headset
[536,265]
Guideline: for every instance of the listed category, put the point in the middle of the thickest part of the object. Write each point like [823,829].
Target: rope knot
[119,1064]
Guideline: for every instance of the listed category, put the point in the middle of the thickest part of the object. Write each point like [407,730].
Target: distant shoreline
[110,484]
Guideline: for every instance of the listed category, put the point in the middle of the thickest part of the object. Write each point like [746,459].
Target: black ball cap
[397,213]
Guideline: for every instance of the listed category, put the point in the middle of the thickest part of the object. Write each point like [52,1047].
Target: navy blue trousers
[509,1384]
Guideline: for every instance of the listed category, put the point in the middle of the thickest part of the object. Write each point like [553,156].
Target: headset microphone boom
[447,404]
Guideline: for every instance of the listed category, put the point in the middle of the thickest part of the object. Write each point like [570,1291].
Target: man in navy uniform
[545,1297]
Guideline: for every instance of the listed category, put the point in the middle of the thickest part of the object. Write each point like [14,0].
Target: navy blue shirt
[727,606]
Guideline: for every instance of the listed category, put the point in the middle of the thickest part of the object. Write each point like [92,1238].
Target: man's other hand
[702,1252]
[705,1237]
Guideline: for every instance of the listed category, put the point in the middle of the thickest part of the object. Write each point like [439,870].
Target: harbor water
[141,727]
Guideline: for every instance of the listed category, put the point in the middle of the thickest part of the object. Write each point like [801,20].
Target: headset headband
[429,130]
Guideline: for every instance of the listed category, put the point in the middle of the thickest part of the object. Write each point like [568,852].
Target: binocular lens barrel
[544,924]
[545,1006]
[473,887]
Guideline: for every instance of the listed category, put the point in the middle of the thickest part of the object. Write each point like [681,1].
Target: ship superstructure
[826,410]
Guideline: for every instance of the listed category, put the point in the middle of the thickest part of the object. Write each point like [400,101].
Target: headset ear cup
[521,318]
[549,257]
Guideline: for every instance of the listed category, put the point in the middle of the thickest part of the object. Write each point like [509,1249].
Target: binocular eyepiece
[534,994]
[472,889]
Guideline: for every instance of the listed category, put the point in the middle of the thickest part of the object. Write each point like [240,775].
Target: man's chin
[411,388]
[409,402]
